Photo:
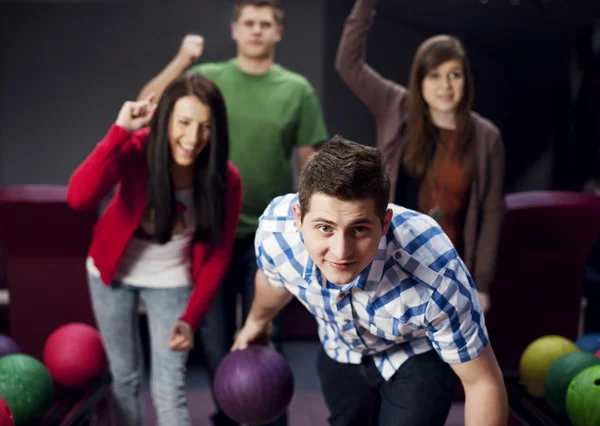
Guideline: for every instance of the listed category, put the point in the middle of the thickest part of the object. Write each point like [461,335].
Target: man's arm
[456,328]
[190,50]
[486,402]
[268,302]
[304,153]
[312,130]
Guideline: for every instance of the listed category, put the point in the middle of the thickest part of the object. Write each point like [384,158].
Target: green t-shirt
[269,115]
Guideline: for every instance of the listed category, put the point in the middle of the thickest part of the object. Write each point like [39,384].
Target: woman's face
[189,129]
[443,87]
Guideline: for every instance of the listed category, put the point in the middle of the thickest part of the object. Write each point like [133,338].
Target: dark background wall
[68,66]
[520,57]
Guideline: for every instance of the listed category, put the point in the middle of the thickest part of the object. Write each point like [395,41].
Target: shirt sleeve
[206,68]
[264,261]
[454,319]
[209,272]
[100,172]
[311,124]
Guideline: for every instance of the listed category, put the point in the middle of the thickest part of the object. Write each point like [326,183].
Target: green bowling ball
[583,396]
[561,373]
[26,386]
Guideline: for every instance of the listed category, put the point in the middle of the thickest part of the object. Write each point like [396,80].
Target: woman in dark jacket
[445,160]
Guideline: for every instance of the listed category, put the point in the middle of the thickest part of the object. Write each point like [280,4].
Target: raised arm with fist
[191,48]
[135,115]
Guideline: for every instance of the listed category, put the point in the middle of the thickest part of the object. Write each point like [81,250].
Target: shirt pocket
[392,329]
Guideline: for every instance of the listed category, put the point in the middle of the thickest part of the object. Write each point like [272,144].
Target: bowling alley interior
[182,244]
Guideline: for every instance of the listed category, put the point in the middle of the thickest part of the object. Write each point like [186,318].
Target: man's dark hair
[348,171]
[273,4]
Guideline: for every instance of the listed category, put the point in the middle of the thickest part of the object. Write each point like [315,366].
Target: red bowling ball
[74,355]
[6,416]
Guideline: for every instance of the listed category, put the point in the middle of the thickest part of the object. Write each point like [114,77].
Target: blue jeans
[116,312]
[219,325]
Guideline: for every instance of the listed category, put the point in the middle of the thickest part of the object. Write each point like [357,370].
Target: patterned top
[415,295]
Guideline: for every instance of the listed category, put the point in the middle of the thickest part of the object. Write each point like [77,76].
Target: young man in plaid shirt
[397,310]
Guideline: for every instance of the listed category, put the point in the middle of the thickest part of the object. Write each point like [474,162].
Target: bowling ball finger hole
[597,382]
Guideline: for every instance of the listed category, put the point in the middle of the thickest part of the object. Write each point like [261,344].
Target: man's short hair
[273,4]
[348,171]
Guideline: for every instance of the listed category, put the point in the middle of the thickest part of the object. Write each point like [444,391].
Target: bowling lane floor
[307,407]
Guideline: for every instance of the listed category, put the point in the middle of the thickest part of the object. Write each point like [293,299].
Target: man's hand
[182,337]
[268,302]
[191,48]
[253,332]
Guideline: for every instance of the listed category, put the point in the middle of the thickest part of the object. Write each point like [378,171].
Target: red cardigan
[120,158]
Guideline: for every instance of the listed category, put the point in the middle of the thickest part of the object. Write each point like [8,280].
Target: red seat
[44,244]
[545,241]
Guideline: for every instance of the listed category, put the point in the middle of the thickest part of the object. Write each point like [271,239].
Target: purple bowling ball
[8,346]
[254,386]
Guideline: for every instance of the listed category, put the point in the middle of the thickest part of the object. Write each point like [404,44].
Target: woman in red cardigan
[165,238]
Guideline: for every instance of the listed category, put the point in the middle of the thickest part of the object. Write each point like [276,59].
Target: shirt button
[397,255]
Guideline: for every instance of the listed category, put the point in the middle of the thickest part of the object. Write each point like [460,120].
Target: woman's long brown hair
[420,132]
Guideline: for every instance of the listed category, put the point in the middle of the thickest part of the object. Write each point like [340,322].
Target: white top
[146,263]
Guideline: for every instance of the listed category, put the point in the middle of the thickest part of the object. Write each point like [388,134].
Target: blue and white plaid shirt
[414,296]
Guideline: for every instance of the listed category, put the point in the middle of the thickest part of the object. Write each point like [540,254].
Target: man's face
[341,237]
[256,32]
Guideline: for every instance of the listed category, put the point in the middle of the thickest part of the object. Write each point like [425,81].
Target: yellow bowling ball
[537,358]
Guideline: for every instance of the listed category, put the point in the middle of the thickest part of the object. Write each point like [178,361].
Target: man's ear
[298,215]
[233,32]
[387,220]
[279,33]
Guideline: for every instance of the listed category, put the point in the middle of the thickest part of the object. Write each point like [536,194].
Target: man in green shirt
[271,112]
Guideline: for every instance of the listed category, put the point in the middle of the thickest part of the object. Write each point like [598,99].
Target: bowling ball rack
[80,407]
